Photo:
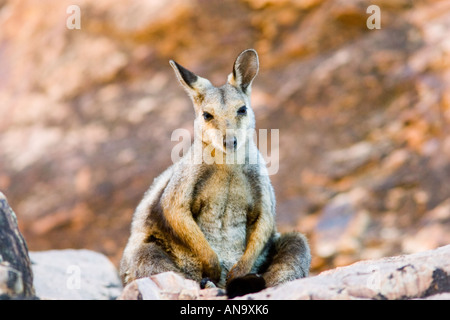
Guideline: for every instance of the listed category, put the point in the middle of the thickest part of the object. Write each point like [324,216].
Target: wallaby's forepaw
[240,269]
[249,283]
[207,283]
[212,268]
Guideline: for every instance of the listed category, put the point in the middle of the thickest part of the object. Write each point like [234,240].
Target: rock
[16,276]
[341,226]
[169,286]
[433,230]
[420,275]
[439,296]
[74,275]
[339,163]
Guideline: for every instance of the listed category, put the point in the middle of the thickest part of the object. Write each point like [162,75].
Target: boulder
[74,275]
[169,286]
[424,275]
[16,277]
[420,275]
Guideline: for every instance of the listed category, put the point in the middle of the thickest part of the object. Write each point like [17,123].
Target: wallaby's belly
[223,219]
[226,236]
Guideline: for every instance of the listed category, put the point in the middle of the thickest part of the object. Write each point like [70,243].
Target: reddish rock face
[364,115]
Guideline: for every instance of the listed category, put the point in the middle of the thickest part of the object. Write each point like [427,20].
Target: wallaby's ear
[244,70]
[194,85]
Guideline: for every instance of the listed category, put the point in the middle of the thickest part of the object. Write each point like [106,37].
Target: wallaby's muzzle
[230,143]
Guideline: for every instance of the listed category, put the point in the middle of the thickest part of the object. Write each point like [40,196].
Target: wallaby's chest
[223,202]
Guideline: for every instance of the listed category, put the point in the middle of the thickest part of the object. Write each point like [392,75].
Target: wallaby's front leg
[182,223]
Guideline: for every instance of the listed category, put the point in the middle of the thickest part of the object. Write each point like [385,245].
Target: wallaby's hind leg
[147,260]
[290,259]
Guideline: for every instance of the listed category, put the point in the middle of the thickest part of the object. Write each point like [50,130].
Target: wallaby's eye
[242,110]
[207,116]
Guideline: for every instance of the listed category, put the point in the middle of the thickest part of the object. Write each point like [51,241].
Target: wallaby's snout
[230,143]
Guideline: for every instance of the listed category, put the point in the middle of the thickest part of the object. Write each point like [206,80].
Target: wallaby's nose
[230,143]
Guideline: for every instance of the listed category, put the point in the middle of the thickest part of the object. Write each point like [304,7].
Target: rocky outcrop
[55,274]
[420,275]
[424,275]
[16,276]
[74,275]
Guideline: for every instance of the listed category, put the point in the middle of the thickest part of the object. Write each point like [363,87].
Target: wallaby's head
[224,116]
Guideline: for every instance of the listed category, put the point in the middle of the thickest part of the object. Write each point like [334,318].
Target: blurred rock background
[364,115]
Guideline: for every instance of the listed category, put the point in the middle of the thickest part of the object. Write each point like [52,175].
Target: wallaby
[214,221]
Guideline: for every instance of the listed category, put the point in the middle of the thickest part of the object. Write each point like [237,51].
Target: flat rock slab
[421,275]
[74,275]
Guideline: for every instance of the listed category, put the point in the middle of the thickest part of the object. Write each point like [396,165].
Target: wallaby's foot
[207,283]
[244,285]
